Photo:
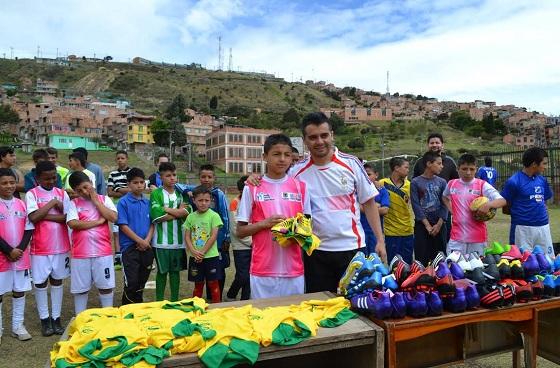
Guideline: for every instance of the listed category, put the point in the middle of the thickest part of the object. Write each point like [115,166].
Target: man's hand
[381,251]
[272,220]
[15,254]
[143,245]
[254,179]
[436,229]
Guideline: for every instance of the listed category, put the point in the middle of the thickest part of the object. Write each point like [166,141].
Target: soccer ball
[475,205]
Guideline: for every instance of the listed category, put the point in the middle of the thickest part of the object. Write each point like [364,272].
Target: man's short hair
[52,151]
[370,166]
[77,178]
[201,189]
[166,166]
[434,135]
[314,118]
[430,156]
[206,167]
[159,156]
[40,154]
[533,155]
[397,162]
[134,173]
[78,155]
[274,139]
[6,150]
[487,161]
[466,159]
[121,152]
[44,166]
[82,150]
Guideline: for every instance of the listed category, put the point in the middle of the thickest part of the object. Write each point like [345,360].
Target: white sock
[56,300]
[42,299]
[106,300]
[80,302]
[18,309]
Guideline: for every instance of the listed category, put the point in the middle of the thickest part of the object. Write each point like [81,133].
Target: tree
[176,109]
[489,124]
[337,123]
[160,132]
[213,103]
[291,116]
[461,119]
[8,116]
[356,143]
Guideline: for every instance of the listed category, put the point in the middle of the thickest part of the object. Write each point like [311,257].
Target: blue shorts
[209,269]
[403,245]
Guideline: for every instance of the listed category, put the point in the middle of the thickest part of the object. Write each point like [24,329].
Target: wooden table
[455,337]
[357,343]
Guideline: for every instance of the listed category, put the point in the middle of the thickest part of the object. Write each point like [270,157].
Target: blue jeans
[403,245]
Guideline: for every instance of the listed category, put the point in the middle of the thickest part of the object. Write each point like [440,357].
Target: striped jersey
[168,234]
[336,191]
[398,221]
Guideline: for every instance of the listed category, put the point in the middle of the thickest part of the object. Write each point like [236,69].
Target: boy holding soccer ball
[467,233]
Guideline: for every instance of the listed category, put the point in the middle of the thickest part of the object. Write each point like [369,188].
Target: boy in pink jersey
[15,233]
[467,234]
[275,270]
[50,259]
[91,260]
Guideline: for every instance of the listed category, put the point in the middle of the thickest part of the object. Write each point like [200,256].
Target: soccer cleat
[490,296]
[495,248]
[489,259]
[475,261]
[399,268]
[435,305]
[284,227]
[544,264]
[57,327]
[438,259]
[21,333]
[472,297]
[513,253]
[457,303]
[370,283]
[422,281]
[416,304]
[476,275]
[491,271]
[453,256]
[516,269]
[504,269]
[389,282]
[416,267]
[382,307]
[362,302]
[351,274]
[399,305]
[445,285]
[456,271]
[530,264]
[508,293]
[46,327]
[549,286]
[538,289]
[464,264]
[556,286]
[378,264]
[442,270]
[523,290]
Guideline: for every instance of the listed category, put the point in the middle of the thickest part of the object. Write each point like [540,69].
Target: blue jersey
[526,196]
[135,213]
[383,199]
[488,173]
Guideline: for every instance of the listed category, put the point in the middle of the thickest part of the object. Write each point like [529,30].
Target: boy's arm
[415,200]
[150,233]
[106,209]
[224,215]
[20,185]
[5,248]
[245,229]
[157,211]
[447,203]
[25,239]
[73,222]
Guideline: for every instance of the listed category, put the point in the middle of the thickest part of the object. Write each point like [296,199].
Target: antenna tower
[220,66]
[388,93]
[230,64]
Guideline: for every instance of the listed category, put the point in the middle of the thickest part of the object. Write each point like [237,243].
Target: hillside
[151,87]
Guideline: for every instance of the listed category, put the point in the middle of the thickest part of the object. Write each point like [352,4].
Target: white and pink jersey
[49,237]
[13,223]
[287,197]
[464,227]
[336,191]
[94,242]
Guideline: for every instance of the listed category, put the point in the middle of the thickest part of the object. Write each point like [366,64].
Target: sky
[494,50]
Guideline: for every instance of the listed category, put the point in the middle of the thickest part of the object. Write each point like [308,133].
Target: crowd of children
[67,226]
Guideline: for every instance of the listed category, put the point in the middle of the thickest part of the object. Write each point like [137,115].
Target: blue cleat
[435,305]
[389,282]
[457,303]
[416,305]
[399,305]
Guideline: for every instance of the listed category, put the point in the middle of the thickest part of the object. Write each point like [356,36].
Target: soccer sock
[215,291]
[80,302]
[106,300]
[174,280]
[161,280]
[18,308]
[198,289]
[42,299]
[56,300]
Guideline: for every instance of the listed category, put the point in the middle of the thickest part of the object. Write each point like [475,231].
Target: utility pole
[170,131]
[219,52]
[230,64]
[382,156]
[11,53]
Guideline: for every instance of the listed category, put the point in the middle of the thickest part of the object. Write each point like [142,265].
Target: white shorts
[55,265]
[85,272]
[465,248]
[269,287]
[529,236]
[13,280]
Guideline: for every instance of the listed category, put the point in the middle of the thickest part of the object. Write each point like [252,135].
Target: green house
[68,142]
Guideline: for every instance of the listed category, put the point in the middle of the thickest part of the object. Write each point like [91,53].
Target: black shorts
[209,269]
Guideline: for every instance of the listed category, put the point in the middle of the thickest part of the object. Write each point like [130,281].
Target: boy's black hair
[78,156]
[121,152]
[487,161]
[201,189]
[52,151]
[241,182]
[82,150]
[314,118]
[434,135]
[166,166]
[372,167]
[7,172]
[533,155]
[160,155]
[40,154]
[397,161]
[44,166]
[206,167]
[135,173]
[77,178]
[275,139]
[466,159]
[295,150]
[430,156]
[5,150]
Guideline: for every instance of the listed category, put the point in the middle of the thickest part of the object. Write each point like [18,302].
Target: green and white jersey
[168,234]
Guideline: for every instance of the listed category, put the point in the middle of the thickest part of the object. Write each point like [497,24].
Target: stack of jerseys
[142,335]
[296,228]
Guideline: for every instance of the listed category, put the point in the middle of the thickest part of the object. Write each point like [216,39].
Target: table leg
[391,349]
[530,338]
[516,359]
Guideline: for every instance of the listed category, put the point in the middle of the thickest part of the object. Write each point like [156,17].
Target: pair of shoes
[544,261]
[21,333]
[530,264]
[399,268]
[46,327]
[491,296]
[377,304]
[370,283]
[421,278]
[549,285]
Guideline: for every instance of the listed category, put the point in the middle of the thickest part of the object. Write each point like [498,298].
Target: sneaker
[399,268]
[416,304]
[453,256]
[57,327]
[456,271]
[556,264]
[472,297]
[523,291]
[382,307]
[421,281]
[399,305]
[508,294]
[21,333]
[475,261]
[442,270]
[378,264]
[389,282]
[556,286]
[445,285]
[457,303]
[439,259]
[490,296]
[544,264]
[530,264]
[416,267]
[284,227]
[549,286]
[495,248]
[538,289]
[489,259]
[464,264]
[513,253]
[351,273]
[504,269]
[516,269]
[46,327]
[491,272]
[370,283]
[476,275]
[435,305]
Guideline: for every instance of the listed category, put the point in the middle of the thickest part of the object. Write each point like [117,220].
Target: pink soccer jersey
[273,197]
[94,242]
[49,237]
[13,222]
[464,227]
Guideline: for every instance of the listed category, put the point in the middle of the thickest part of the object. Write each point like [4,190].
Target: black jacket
[449,168]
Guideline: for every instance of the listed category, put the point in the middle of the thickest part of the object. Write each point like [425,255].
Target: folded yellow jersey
[331,312]
[283,325]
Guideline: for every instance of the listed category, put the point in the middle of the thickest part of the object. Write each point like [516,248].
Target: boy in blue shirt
[135,236]
[487,172]
[526,192]
[382,201]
